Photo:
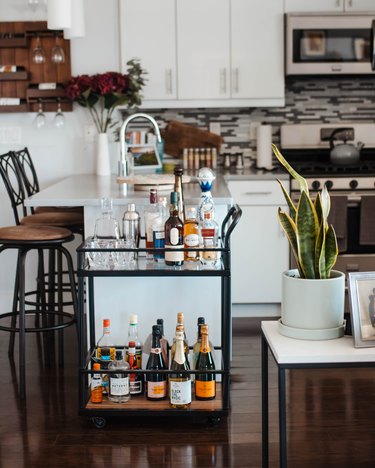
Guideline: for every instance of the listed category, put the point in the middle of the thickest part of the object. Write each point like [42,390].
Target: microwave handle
[373,45]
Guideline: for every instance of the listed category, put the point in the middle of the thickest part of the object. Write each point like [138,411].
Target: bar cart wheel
[99,422]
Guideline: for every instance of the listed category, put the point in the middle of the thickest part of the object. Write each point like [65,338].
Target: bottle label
[158,235]
[157,389]
[174,256]
[150,220]
[191,240]
[119,387]
[180,392]
[156,350]
[96,382]
[205,389]
[208,232]
[174,236]
[135,386]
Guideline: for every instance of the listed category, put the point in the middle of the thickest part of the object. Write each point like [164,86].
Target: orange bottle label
[205,389]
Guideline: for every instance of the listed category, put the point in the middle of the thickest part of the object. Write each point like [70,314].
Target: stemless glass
[40,119]
[59,117]
[38,55]
[57,54]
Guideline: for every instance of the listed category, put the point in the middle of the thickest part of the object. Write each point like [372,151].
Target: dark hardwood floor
[331,418]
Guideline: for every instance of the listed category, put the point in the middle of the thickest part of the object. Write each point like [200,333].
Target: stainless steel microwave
[329,44]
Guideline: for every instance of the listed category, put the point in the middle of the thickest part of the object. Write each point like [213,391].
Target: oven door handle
[372,46]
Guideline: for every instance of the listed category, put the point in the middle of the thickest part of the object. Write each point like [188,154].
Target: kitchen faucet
[123,169]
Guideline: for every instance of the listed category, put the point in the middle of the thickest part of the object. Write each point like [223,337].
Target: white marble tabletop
[292,351]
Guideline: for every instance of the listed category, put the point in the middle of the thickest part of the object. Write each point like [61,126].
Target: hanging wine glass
[33,4]
[40,119]
[59,117]
[57,54]
[38,55]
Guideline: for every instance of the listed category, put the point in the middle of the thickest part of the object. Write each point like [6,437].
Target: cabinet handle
[168,81]
[223,80]
[235,81]
[257,193]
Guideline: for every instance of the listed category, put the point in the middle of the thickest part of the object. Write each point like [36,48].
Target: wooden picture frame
[361,290]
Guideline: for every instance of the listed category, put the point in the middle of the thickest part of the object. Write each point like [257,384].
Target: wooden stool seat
[54,218]
[34,234]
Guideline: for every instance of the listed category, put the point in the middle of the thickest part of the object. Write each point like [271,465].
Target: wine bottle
[163,342]
[96,386]
[205,383]
[178,171]
[179,381]
[197,344]
[156,382]
[174,234]
[136,379]
[180,327]
[119,389]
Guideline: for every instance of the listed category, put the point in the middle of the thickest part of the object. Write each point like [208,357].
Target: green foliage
[313,242]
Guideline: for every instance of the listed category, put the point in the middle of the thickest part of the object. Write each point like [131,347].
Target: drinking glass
[57,54]
[40,119]
[38,55]
[59,117]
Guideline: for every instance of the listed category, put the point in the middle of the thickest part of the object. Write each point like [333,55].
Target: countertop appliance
[351,186]
[329,43]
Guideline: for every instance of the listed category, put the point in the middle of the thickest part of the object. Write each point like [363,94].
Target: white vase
[103,166]
[312,309]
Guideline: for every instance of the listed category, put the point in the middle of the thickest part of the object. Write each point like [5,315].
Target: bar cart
[214,409]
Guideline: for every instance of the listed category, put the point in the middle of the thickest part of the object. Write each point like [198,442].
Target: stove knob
[329,184]
[315,184]
[353,184]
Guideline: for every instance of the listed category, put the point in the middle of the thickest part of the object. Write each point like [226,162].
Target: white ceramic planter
[312,309]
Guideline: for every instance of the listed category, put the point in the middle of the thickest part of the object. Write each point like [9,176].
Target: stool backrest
[10,173]
[27,171]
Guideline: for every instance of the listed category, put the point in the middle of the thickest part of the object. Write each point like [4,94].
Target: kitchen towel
[264,146]
[367,221]
[338,217]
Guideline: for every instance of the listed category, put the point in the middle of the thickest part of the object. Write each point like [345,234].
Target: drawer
[257,192]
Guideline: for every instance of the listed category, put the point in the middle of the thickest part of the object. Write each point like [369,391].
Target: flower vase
[103,167]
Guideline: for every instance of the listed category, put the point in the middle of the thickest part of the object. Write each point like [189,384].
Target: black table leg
[282,419]
[265,422]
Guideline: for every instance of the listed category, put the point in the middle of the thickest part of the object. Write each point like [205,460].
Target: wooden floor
[331,419]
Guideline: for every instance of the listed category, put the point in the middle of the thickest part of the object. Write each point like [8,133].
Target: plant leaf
[326,204]
[331,250]
[307,231]
[290,230]
[320,257]
[301,181]
[292,208]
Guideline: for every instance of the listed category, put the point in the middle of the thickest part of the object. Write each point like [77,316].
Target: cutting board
[162,182]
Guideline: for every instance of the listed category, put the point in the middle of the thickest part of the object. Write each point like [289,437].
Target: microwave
[329,44]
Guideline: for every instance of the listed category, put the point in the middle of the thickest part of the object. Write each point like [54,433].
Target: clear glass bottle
[151,213]
[174,234]
[178,172]
[133,336]
[179,381]
[106,227]
[156,382]
[96,385]
[191,235]
[205,383]
[158,229]
[119,388]
[209,238]
[105,353]
[136,381]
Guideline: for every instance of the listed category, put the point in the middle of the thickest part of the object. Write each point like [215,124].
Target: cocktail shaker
[131,225]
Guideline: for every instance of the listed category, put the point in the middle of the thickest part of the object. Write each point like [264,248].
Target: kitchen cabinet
[260,250]
[329,5]
[206,53]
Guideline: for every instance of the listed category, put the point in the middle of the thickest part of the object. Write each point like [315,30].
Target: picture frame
[361,291]
[313,43]
[145,157]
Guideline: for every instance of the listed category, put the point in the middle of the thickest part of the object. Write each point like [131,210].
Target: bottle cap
[153,195]
[191,212]
[180,317]
[174,198]
[106,323]
[178,170]
[160,321]
[201,320]
[133,319]
[118,355]
[96,366]
[131,206]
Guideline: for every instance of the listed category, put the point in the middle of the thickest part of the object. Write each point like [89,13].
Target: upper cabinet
[329,5]
[206,52]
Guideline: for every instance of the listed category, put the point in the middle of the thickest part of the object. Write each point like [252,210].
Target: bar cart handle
[229,223]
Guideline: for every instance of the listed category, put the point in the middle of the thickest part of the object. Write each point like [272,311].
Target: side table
[290,353]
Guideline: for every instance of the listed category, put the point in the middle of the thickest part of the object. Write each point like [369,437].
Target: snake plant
[313,242]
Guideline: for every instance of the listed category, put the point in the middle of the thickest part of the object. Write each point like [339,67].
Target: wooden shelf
[14,41]
[23,107]
[14,76]
[34,93]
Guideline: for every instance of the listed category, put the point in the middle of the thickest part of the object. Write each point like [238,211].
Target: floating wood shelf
[14,76]
[13,41]
[23,107]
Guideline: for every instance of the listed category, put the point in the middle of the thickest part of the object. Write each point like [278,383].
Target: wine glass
[38,55]
[57,54]
[59,117]
[33,4]
[40,119]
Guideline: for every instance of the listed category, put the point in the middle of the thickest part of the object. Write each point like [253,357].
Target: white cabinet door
[257,26]
[359,5]
[260,250]
[203,49]
[313,6]
[148,33]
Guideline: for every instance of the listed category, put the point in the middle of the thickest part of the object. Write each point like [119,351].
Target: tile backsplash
[307,100]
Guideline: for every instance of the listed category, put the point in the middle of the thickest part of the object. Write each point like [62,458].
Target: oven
[351,187]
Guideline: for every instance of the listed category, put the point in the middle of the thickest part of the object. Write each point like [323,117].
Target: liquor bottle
[106,227]
[131,229]
[174,234]
[156,382]
[96,386]
[158,233]
[179,382]
[209,238]
[197,344]
[178,172]
[205,177]
[163,342]
[136,379]
[119,388]
[191,235]
[180,327]
[133,336]
[205,383]
[151,213]
[105,343]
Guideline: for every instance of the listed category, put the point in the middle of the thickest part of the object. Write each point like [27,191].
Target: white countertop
[292,351]
[87,190]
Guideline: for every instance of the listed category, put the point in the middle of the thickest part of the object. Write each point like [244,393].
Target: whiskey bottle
[105,343]
[209,238]
[178,172]
[191,235]
[156,382]
[96,385]
[205,383]
[179,381]
[119,389]
[174,234]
